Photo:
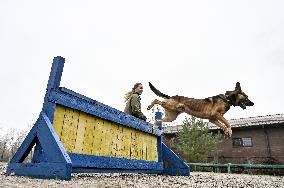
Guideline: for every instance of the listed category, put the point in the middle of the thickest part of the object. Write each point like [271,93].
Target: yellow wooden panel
[98,139]
[58,120]
[86,134]
[80,132]
[66,126]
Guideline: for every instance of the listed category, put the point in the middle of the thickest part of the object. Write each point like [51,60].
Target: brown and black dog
[211,108]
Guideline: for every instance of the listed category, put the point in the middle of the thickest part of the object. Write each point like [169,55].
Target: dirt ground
[196,179]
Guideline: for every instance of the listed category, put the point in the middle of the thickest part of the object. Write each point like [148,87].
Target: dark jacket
[133,106]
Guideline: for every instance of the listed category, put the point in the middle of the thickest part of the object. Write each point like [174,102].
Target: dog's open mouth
[242,105]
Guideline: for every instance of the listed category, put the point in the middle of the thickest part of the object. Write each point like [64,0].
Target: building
[254,140]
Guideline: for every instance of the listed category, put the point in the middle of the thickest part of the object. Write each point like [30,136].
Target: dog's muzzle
[243,105]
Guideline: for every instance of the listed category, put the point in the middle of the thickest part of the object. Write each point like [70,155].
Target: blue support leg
[50,159]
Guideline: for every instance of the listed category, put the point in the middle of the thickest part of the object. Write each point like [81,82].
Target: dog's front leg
[156,101]
[223,127]
[225,122]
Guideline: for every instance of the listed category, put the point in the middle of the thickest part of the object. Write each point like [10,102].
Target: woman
[133,104]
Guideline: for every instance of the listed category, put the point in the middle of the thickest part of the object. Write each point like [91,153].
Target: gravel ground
[196,179]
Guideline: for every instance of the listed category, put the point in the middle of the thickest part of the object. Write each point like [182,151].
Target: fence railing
[229,166]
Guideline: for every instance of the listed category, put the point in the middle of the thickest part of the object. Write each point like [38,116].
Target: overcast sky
[191,48]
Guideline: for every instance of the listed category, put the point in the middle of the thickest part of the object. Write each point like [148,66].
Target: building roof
[277,119]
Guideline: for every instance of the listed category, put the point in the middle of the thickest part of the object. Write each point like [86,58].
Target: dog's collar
[229,100]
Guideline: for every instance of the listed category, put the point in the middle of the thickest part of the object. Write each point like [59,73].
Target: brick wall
[267,146]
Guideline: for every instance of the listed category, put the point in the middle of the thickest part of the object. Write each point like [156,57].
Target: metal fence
[229,166]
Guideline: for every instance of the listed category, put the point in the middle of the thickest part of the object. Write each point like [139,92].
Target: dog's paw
[230,133]
[227,133]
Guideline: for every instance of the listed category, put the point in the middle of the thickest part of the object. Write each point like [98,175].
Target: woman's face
[139,89]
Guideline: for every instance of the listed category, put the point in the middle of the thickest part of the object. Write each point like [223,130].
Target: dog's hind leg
[156,101]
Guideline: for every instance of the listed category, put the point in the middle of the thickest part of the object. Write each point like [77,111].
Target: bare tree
[9,144]
[4,153]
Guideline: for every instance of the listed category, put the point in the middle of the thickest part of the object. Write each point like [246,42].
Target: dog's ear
[238,86]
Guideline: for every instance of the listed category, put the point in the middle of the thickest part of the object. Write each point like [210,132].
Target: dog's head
[238,97]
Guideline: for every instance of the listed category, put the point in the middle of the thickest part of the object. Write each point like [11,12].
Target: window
[237,142]
[242,142]
[247,142]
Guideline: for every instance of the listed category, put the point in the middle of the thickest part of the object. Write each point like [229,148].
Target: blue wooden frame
[51,160]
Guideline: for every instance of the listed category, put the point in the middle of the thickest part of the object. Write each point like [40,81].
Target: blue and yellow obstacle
[76,134]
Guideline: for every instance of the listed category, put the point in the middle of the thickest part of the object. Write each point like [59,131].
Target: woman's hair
[128,94]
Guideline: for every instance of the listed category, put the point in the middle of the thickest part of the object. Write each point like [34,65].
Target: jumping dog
[211,108]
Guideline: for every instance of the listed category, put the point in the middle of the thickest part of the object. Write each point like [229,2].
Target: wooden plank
[91,161]
[86,134]
[41,170]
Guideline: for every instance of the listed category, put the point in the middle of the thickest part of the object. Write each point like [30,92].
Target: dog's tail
[157,92]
